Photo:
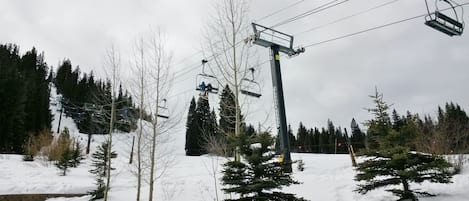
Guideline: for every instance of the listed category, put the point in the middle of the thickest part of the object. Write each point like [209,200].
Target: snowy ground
[325,178]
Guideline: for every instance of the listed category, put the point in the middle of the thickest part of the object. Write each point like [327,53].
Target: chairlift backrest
[250,87]
[444,23]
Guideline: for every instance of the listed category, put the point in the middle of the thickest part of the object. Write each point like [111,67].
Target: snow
[325,177]
[255,146]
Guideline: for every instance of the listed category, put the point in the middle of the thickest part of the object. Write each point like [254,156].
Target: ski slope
[325,178]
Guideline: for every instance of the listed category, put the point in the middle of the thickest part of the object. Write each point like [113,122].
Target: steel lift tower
[277,42]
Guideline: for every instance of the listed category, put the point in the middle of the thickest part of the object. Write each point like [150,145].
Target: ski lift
[250,87]
[163,110]
[206,83]
[124,115]
[452,26]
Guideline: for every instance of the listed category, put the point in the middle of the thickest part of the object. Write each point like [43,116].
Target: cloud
[416,68]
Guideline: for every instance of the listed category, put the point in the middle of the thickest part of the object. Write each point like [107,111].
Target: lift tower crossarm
[277,42]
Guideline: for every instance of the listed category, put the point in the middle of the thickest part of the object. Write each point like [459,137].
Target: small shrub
[36,144]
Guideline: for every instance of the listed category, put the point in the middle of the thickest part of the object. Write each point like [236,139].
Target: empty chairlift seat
[452,26]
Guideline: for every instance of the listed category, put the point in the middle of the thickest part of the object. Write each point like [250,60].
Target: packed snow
[325,177]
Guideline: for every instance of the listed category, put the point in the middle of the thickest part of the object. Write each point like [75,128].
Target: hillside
[325,178]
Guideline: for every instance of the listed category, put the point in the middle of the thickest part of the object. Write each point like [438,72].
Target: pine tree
[453,125]
[77,154]
[99,162]
[204,124]
[291,139]
[357,138]
[380,125]
[396,166]
[191,130]
[302,141]
[257,177]
[201,123]
[227,112]
[392,163]
[65,159]
[12,101]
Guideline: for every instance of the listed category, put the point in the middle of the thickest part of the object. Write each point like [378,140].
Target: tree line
[88,101]
[445,134]
[24,97]
[327,140]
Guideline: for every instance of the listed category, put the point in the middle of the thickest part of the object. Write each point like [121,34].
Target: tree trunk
[407,194]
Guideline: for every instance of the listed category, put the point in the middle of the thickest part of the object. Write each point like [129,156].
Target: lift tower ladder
[277,42]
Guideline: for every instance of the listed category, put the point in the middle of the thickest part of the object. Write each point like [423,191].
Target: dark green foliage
[291,137]
[329,141]
[258,178]
[250,130]
[201,125]
[99,162]
[357,137]
[65,150]
[227,111]
[303,141]
[24,98]
[380,126]
[453,124]
[87,101]
[77,154]
[390,162]
[65,161]
[192,131]
[396,166]
[69,153]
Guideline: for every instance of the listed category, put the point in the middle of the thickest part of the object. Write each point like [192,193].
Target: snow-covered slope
[325,178]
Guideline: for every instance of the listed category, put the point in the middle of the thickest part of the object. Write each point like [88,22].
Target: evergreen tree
[453,125]
[12,101]
[291,139]
[205,125]
[302,142]
[257,177]
[24,98]
[357,138]
[192,132]
[396,166]
[65,159]
[99,162]
[228,112]
[392,163]
[77,154]
[330,137]
[201,123]
[380,125]
[250,130]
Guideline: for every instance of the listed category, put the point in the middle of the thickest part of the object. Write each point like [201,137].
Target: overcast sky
[416,67]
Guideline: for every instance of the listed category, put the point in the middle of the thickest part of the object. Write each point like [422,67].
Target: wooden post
[132,151]
[352,155]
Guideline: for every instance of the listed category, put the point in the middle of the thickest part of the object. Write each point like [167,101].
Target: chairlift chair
[208,80]
[444,23]
[163,110]
[250,87]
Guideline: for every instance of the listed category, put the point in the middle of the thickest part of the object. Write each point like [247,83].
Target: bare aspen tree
[140,82]
[151,85]
[160,62]
[225,35]
[112,61]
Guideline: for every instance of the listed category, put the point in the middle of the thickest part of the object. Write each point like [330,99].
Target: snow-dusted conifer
[99,162]
[390,160]
[257,176]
